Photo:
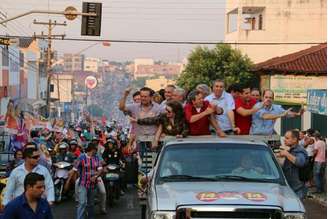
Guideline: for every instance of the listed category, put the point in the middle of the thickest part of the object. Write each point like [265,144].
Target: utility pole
[50,25]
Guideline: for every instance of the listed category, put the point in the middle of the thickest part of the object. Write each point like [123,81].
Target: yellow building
[159,83]
[279,21]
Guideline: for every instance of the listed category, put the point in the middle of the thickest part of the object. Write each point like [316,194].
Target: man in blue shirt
[296,157]
[263,120]
[29,205]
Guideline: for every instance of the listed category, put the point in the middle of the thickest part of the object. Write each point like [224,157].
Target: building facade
[21,71]
[291,77]
[167,70]
[279,21]
[73,62]
[92,64]
[159,83]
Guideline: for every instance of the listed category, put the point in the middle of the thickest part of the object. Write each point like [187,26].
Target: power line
[17,26]
[172,41]
[18,59]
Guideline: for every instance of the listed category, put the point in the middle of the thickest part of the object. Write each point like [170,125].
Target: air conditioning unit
[246,23]
[247,18]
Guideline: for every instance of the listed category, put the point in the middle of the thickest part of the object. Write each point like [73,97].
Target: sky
[159,20]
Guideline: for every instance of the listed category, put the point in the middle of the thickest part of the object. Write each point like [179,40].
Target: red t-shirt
[200,127]
[244,122]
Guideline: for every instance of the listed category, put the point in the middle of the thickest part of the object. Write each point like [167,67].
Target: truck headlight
[163,215]
[294,216]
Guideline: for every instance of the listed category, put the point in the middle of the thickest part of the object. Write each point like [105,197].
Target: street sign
[91,25]
[91,82]
[70,13]
[4,41]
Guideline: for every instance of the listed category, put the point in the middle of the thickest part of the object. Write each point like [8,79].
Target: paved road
[315,210]
[128,208]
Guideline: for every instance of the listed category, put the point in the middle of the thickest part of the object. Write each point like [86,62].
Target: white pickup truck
[219,178]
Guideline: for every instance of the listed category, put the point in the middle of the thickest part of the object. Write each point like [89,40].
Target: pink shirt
[320,147]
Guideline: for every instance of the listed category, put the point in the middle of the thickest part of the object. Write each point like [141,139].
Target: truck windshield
[218,162]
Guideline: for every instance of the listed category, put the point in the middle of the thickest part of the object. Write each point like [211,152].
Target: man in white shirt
[15,185]
[221,98]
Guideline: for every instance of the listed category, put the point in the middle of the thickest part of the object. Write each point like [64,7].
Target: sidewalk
[318,197]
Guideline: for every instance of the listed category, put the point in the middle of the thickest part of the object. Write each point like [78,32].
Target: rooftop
[308,61]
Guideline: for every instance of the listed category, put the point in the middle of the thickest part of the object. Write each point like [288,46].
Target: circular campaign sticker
[254,196]
[207,196]
[229,195]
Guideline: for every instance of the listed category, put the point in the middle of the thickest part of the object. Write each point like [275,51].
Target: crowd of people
[239,110]
[90,144]
[176,112]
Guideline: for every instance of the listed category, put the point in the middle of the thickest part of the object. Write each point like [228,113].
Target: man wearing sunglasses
[15,185]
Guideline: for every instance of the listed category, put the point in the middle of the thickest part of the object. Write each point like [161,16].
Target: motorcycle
[61,175]
[112,183]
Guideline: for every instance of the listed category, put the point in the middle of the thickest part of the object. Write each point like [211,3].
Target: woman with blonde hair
[11,118]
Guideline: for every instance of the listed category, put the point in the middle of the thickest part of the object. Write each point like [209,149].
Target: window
[214,161]
[5,56]
[253,18]
[232,18]
[21,59]
[260,22]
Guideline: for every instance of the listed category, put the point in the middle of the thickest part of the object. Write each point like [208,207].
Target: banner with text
[293,88]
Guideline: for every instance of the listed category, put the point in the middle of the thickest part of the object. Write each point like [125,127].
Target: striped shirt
[87,168]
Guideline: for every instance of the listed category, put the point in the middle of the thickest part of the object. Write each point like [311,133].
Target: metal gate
[319,122]
[291,123]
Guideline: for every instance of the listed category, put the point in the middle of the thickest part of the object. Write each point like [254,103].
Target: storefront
[291,77]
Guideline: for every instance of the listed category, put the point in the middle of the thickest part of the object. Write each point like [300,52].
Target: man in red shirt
[199,115]
[244,108]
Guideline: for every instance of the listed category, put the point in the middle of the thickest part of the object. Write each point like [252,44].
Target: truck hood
[170,195]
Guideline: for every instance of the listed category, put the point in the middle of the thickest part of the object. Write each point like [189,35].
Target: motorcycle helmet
[63,145]
[110,141]
[73,142]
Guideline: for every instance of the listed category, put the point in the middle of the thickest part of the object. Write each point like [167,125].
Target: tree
[222,62]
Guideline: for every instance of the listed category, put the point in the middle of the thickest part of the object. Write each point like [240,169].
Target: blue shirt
[291,170]
[261,126]
[227,102]
[15,184]
[20,209]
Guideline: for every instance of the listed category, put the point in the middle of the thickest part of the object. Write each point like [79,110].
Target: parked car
[220,178]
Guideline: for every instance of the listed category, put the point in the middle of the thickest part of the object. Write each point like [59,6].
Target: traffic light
[91,25]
